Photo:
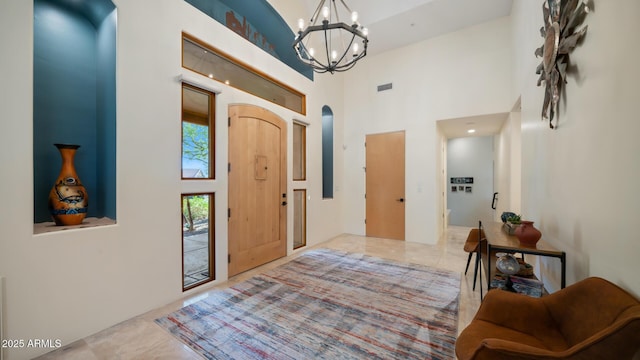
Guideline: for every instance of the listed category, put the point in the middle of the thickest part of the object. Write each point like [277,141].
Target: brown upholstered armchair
[591,319]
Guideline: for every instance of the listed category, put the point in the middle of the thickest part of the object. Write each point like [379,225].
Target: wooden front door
[385,185]
[257,187]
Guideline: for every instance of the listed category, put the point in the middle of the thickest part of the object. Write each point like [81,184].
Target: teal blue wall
[74,103]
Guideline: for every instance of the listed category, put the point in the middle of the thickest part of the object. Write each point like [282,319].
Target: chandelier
[341,45]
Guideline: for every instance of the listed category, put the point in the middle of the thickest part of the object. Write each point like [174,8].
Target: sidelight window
[197,240]
[299,152]
[197,131]
[198,122]
[299,218]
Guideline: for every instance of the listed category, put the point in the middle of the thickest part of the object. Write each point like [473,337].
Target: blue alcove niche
[74,99]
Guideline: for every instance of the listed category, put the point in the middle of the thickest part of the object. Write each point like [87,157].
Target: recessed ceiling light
[210,76]
[471,131]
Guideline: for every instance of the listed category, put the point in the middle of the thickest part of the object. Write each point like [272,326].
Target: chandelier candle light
[343,45]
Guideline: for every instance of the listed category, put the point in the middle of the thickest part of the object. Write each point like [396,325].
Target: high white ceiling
[396,23]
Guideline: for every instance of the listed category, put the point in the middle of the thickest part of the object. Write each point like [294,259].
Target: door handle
[401,200]
[284,203]
[495,200]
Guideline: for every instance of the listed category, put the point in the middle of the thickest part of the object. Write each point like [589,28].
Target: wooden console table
[498,240]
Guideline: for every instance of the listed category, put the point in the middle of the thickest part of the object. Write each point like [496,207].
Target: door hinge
[229,119]
[228,167]
[229,213]
[365,195]
[229,258]
[365,221]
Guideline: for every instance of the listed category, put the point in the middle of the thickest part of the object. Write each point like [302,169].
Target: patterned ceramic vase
[527,234]
[68,200]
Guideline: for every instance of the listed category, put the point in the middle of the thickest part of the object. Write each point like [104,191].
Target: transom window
[208,61]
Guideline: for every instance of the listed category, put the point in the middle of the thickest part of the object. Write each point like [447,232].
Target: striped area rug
[327,304]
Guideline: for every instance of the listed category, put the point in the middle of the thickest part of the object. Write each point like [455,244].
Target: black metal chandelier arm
[346,51]
[316,13]
[345,67]
[312,28]
[326,48]
[343,4]
[303,34]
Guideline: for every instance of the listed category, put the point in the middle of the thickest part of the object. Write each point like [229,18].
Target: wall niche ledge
[49,227]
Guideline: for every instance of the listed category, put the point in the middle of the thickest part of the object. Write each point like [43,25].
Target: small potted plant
[513,221]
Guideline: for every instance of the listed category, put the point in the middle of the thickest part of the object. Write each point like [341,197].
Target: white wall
[456,75]
[578,181]
[442,213]
[67,285]
[507,166]
[470,157]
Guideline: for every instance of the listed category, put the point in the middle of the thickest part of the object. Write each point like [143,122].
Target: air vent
[384,87]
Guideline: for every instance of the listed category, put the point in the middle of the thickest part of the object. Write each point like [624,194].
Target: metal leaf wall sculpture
[561,18]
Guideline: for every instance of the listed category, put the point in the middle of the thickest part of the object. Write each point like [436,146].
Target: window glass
[197,114]
[299,218]
[207,61]
[299,151]
[197,240]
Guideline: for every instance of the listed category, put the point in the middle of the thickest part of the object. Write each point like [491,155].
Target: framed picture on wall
[461,188]
[454,188]
[462,180]
[468,189]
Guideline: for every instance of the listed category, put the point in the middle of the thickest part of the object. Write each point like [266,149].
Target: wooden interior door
[257,187]
[385,185]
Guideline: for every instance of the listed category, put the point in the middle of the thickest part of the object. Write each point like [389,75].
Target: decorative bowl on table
[507,264]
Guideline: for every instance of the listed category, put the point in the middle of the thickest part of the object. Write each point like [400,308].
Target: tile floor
[141,338]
